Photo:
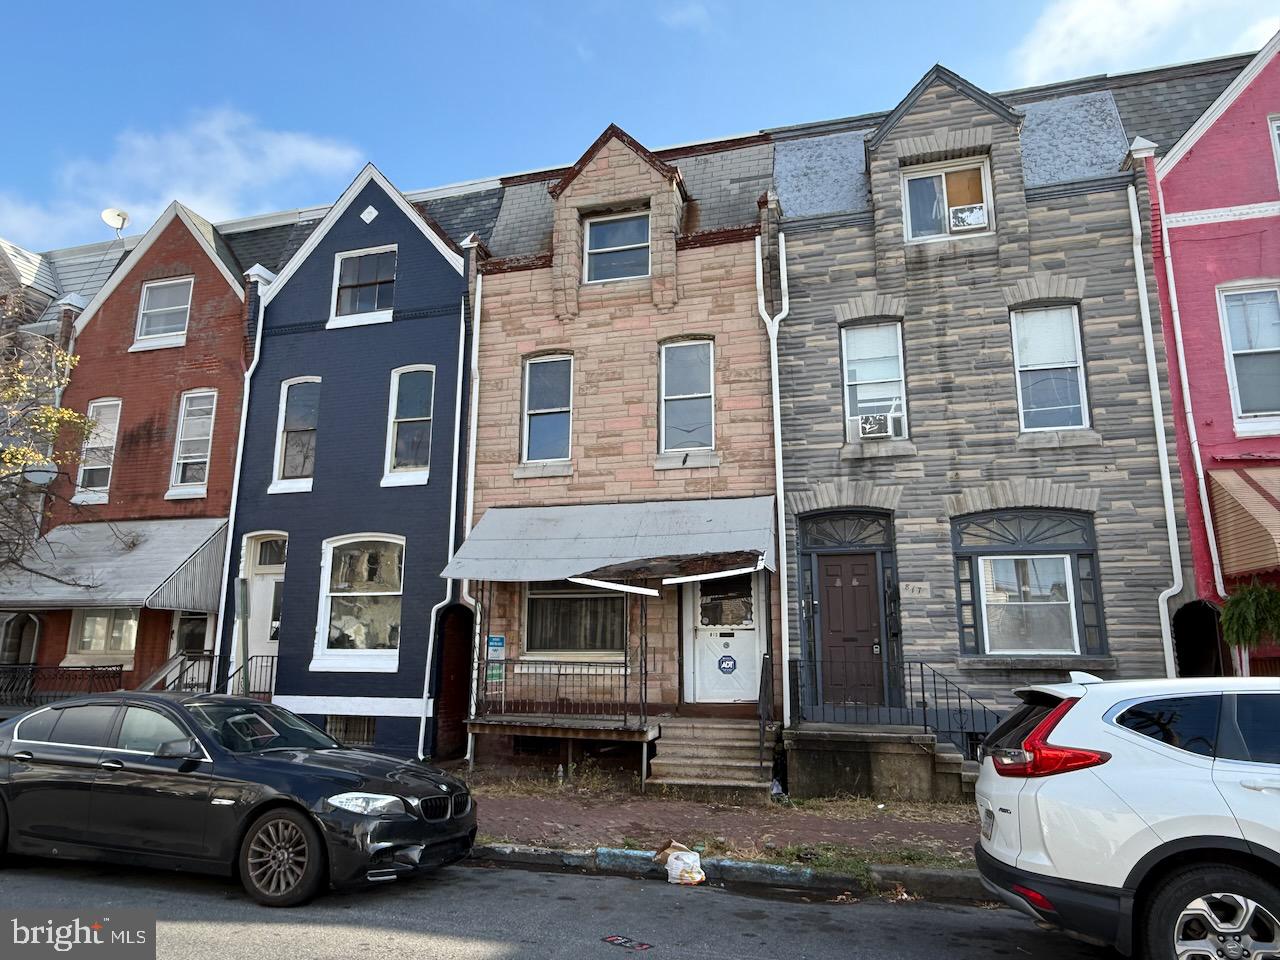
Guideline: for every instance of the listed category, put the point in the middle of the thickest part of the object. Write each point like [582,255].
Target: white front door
[265,590]
[725,641]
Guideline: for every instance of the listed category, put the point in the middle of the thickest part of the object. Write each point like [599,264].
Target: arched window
[361,587]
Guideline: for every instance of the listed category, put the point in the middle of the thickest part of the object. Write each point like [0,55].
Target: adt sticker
[727,664]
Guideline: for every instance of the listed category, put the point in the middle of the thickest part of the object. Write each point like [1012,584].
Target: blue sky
[238,108]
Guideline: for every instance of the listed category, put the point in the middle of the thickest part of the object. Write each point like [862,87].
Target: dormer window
[163,311]
[363,286]
[947,200]
[616,247]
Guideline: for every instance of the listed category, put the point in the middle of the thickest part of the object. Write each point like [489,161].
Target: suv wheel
[282,859]
[1213,913]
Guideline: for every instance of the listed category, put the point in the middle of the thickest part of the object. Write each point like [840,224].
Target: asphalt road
[475,913]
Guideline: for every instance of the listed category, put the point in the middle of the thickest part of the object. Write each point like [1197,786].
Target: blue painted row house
[346,494]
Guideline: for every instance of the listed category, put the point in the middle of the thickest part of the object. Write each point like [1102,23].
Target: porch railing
[186,672]
[553,689]
[28,685]
[764,701]
[256,678]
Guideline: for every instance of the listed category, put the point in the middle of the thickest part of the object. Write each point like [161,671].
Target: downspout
[1192,433]
[1162,448]
[474,418]
[772,325]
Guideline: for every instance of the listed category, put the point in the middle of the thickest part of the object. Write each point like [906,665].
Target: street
[475,913]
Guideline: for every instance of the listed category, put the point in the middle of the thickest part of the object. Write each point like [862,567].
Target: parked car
[223,785]
[1143,815]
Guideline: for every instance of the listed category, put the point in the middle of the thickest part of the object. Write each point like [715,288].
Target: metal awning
[1246,518]
[614,541]
[166,564]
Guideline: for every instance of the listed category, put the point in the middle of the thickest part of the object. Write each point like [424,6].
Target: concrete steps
[714,758]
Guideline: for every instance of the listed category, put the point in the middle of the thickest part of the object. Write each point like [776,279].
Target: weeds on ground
[583,781]
[864,808]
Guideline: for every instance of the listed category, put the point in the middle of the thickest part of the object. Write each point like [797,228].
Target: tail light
[1035,898]
[1039,758]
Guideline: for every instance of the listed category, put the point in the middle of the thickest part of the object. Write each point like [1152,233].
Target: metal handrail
[764,698]
[256,677]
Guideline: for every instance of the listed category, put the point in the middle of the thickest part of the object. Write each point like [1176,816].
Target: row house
[1216,227]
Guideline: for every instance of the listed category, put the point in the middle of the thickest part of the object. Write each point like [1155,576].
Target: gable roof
[370,174]
[199,228]
[1219,106]
[940,74]
[615,132]
[32,269]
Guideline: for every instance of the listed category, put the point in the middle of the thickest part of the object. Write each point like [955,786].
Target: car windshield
[250,728]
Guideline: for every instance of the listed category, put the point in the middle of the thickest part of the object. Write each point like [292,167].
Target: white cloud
[687,16]
[1073,38]
[221,163]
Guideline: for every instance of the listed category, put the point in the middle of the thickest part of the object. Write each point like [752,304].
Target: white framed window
[1028,604]
[1250,316]
[296,426]
[687,409]
[408,458]
[548,408]
[107,631]
[163,311]
[1274,125]
[191,448]
[941,200]
[570,618]
[361,585]
[364,286]
[1048,365]
[875,390]
[615,247]
[97,456]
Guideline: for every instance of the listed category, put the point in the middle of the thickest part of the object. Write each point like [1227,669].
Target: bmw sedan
[222,785]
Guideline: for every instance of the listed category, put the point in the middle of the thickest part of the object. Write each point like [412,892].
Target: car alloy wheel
[1229,926]
[278,857]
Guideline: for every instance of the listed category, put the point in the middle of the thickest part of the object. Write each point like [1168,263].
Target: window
[548,408]
[363,286]
[38,727]
[296,435]
[409,425]
[726,601]
[1252,323]
[190,631]
[352,731]
[617,248]
[273,552]
[195,436]
[1048,369]
[1275,142]
[144,730]
[86,726]
[1188,723]
[688,404]
[360,602]
[99,452]
[1249,725]
[947,201]
[163,310]
[874,385]
[568,617]
[105,631]
[1027,583]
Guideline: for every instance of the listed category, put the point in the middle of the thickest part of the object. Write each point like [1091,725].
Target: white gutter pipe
[474,418]
[1162,448]
[772,325]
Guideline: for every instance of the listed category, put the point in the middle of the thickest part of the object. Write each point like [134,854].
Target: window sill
[358,319]
[1035,661]
[98,660]
[159,343]
[877,449]
[409,478]
[536,667]
[686,459]
[302,485]
[543,468]
[1261,427]
[597,283]
[89,496]
[186,493]
[1058,439]
[356,661]
[938,247]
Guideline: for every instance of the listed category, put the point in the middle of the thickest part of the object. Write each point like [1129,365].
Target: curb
[926,882]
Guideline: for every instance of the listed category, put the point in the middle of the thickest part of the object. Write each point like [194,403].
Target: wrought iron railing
[256,678]
[28,685]
[764,701]
[186,672]
[529,687]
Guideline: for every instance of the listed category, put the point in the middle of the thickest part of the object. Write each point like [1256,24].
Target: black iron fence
[256,678]
[28,685]
[612,690]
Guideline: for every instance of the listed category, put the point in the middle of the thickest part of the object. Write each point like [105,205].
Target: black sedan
[224,785]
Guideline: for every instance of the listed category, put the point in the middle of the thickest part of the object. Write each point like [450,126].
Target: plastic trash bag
[684,866]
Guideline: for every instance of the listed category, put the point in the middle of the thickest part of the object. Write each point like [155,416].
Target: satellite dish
[116,219]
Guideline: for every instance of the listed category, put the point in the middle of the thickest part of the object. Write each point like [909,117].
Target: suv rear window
[1188,723]
[1254,740]
[1017,726]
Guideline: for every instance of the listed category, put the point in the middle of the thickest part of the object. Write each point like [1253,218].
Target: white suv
[1143,814]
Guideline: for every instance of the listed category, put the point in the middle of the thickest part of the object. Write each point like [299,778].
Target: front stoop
[716,759]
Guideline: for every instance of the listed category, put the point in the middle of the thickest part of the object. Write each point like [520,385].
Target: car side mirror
[184,749]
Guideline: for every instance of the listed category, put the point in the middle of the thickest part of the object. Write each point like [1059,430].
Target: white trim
[1245,211]
[690,601]
[589,222]
[157,341]
[927,170]
[280,484]
[187,492]
[85,494]
[619,587]
[209,619]
[663,398]
[1068,565]
[1244,424]
[177,489]
[596,590]
[358,319]
[524,419]
[719,575]
[354,706]
[323,658]
[174,209]
[89,497]
[76,633]
[1080,374]
[369,174]
[1273,126]
[393,476]
[850,437]
[1218,107]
